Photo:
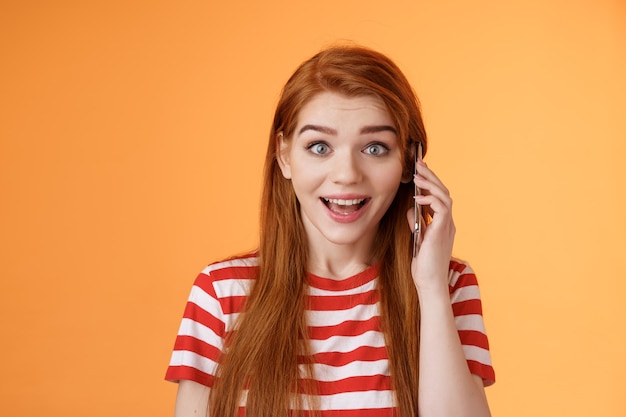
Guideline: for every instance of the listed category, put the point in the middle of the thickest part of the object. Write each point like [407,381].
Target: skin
[191,400]
[346,149]
[342,148]
[446,388]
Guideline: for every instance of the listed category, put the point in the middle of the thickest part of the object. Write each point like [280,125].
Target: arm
[191,400]
[446,386]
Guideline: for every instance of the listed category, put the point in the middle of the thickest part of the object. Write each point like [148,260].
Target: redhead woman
[335,315]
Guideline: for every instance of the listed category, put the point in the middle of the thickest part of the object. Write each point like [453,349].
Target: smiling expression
[345,165]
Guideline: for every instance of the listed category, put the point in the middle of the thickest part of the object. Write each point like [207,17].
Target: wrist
[434,291]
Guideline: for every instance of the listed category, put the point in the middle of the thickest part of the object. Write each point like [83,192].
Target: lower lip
[346,218]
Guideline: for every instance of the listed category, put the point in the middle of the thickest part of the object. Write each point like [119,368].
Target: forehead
[335,108]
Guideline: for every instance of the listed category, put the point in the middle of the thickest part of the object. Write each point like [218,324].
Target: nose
[346,169]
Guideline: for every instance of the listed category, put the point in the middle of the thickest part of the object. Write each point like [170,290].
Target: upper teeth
[343,202]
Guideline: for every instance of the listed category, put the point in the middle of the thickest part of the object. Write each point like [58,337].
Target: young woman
[333,315]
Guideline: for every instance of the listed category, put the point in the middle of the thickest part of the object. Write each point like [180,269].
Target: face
[345,165]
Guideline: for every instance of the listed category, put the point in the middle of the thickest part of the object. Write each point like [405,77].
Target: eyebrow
[331,131]
[317,128]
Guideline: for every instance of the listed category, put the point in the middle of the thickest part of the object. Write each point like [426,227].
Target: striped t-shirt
[350,358]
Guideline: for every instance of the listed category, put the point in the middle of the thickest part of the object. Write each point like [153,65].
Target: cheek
[391,179]
[306,180]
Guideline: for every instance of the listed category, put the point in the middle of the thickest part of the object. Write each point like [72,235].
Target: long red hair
[263,355]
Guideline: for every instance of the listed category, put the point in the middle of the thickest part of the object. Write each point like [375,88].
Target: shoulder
[463,287]
[461,274]
[218,278]
[241,265]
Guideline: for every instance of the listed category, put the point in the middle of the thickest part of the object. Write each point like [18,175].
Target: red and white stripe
[351,366]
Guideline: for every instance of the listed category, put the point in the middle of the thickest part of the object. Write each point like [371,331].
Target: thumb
[410,217]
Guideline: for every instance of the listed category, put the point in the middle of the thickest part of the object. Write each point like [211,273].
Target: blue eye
[376,149]
[319,148]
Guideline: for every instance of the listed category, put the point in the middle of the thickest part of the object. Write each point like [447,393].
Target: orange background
[132,139]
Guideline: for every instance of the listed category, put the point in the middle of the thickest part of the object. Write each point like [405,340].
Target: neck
[339,261]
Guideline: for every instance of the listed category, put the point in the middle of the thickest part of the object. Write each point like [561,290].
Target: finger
[424,171]
[429,187]
[435,206]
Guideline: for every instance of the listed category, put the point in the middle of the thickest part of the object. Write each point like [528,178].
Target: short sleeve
[200,336]
[217,298]
[468,316]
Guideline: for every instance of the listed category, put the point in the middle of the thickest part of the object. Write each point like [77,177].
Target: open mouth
[341,206]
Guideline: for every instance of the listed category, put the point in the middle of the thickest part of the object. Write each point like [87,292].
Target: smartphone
[417,213]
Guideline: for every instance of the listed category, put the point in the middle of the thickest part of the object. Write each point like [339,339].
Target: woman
[334,315]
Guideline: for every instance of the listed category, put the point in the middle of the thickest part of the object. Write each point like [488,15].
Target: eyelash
[310,147]
[379,144]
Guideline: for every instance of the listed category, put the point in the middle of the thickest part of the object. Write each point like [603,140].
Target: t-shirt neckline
[354,281]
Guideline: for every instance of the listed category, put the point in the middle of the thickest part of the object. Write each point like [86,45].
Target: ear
[407,175]
[282,155]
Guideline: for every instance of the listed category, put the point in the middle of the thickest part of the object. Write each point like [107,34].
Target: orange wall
[132,138]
